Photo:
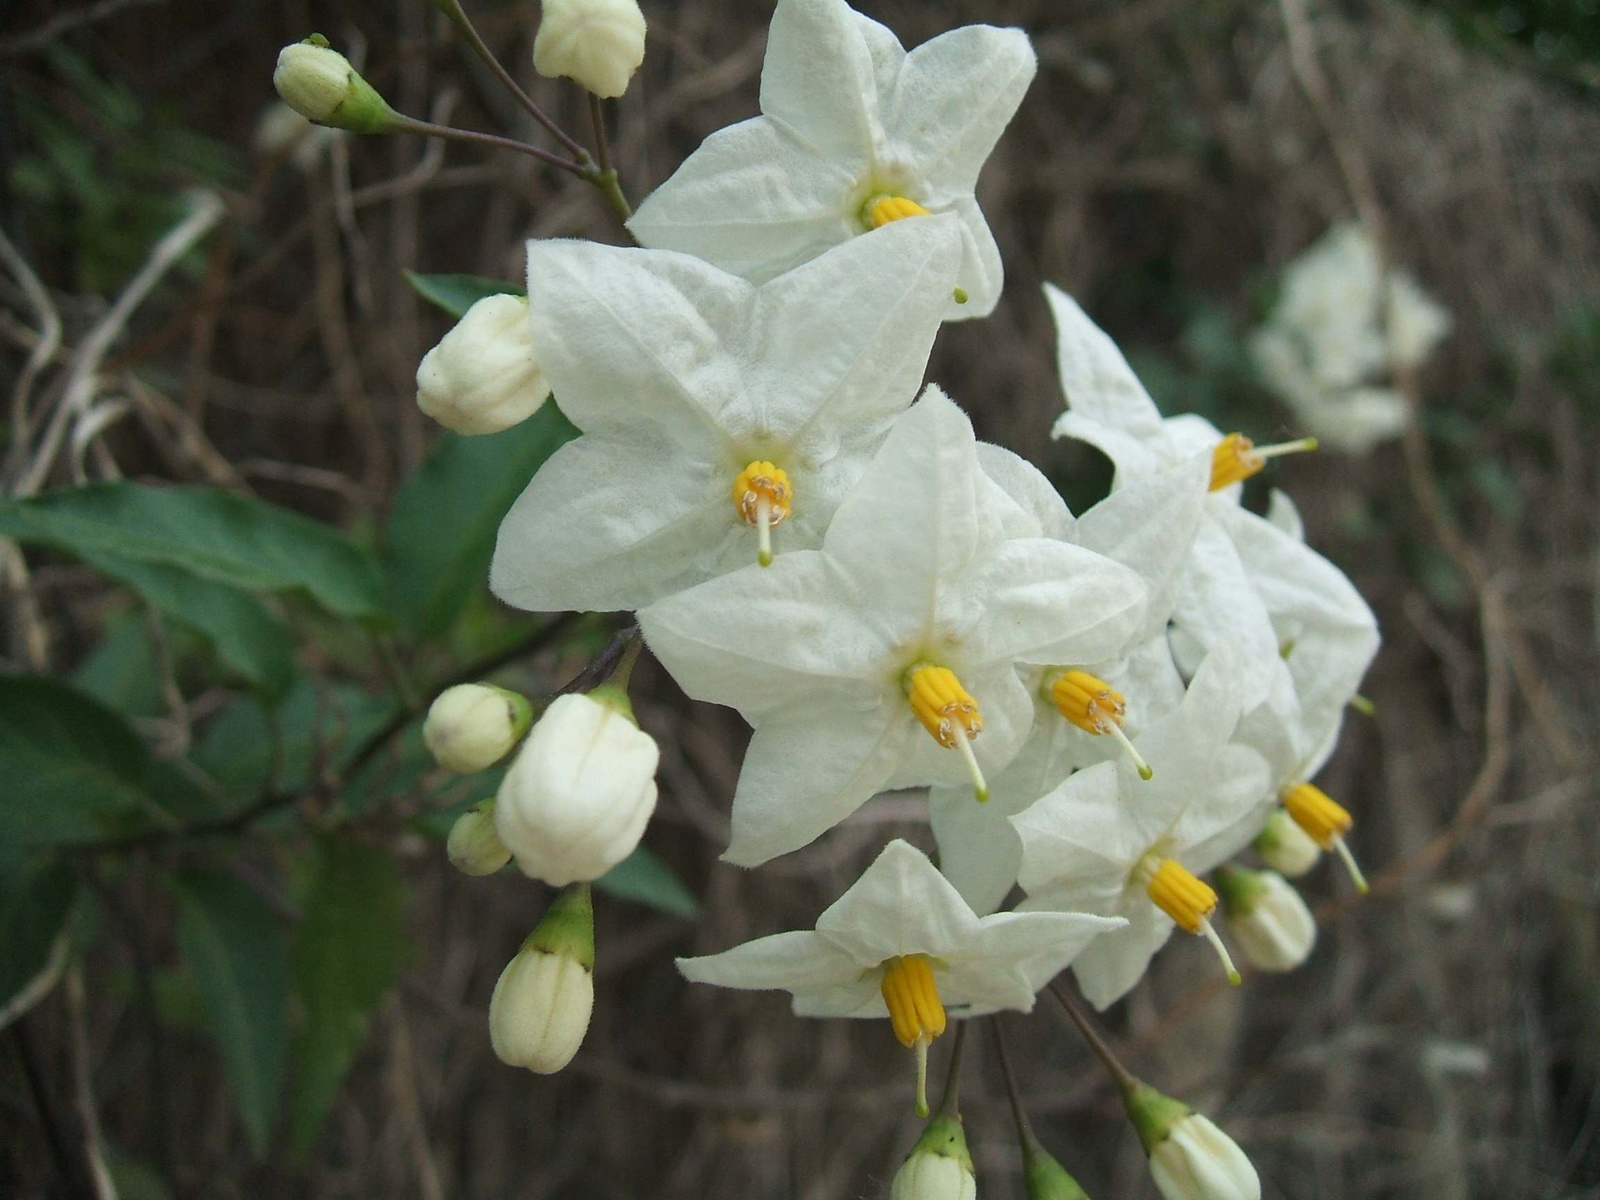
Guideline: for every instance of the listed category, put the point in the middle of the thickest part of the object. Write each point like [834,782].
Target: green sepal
[362,110]
[1240,889]
[616,699]
[567,927]
[1153,1114]
[944,1137]
[1046,1178]
[521,709]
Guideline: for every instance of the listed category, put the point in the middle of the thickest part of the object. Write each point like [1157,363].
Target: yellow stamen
[915,1012]
[948,712]
[1236,458]
[764,497]
[1189,901]
[1325,822]
[879,210]
[1094,706]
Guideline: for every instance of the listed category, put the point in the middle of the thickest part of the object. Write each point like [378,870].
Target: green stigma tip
[764,558]
[1235,978]
[922,1109]
[1146,773]
[960,295]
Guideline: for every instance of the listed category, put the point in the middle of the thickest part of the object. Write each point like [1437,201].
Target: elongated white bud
[320,84]
[482,377]
[1267,917]
[599,43]
[544,998]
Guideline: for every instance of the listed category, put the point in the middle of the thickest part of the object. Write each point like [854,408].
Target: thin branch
[404,124]
[83,1089]
[1114,1068]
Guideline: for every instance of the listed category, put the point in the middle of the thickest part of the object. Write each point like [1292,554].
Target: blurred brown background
[1443,1041]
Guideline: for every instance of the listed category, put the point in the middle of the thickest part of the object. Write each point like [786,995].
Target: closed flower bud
[541,1005]
[474,725]
[1285,847]
[1190,1158]
[599,43]
[939,1166]
[580,791]
[1268,919]
[474,847]
[482,377]
[1047,1179]
[320,84]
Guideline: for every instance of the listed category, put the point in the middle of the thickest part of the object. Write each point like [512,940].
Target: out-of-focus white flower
[599,43]
[1107,841]
[1417,322]
[474,725]
[483,376]
[721,421]
[855,134]
[1353,419]
[320,84]
[580,791]
[1285,847]
[474,846]
[939,1166]
[543,1000]
[1267,917]
[902,944]
[877,661]
[281,130]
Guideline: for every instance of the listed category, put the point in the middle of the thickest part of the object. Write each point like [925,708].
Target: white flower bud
[544,998]
[1197,1161]
[578,795]
[474,725]
[320,84]
[1285,847]
[939,1166]
[482,377]
[599,43]
[1268,919]
[474,847]
[1416,321]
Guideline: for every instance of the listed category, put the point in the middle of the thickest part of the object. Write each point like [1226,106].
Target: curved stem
[404,124]
[1115,1069]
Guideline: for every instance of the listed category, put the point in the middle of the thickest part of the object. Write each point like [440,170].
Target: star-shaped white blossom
[879,660]
[854,134]
[1108,842]
[720,420]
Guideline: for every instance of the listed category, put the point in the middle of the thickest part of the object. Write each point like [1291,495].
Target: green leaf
[122,672]
[645,879]
[346,958]
[35,904]
[457,293]
[442,530]
[226,538]
[70,768]
[237,949]
[246,637]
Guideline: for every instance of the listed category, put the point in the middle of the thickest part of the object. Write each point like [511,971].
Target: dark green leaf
[35,904]
[457,293]
[236,947]
[220,536]
[346,957]
[122,672]
[247,638]
[442,530]
[645,879]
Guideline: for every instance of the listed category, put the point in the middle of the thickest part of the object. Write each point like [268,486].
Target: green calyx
[1240,889]
[944,1137]
[1046,1178]
[521,709]
[1153,1114]
[362,110]
[567,927]
[616,699]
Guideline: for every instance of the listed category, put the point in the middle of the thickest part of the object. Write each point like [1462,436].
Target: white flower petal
[1095,378]
[1047,513]
[982,275]
[1216,605]
[1116,961]
[791,961]
[1078,835]
[820,78]
[1013,955]
[901,905]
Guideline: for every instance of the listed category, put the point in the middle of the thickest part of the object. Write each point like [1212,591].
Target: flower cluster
[1104,708]
[1340,327]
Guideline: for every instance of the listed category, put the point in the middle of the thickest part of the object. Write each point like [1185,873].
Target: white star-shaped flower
[1214,603]
[1108,842]
[855,134]
[720,419]
[1083,712]
[878,660]
[902,944]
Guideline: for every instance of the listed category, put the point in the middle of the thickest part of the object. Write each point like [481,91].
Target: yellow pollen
[915,1012]
[1325,822]
[1236,458]
[763,496]
[879,210]
[1094,706]
[1189,901]
[948,712]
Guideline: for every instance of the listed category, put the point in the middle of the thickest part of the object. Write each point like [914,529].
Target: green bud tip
[1047,1179]
[944,1137]
[1240,889]
[567,927]
[1152,1113]
[615,698]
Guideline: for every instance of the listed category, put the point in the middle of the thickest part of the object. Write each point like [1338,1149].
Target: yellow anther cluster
[762,481]
[1233,461]
[882,209]
[915,1010]
[1091,704]
[1176,891]
[942,704]
[1323,818]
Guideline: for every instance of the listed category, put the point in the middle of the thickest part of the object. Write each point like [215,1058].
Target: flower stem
[1124,1078]
[404,124]
[1025,1134]
[950,1103]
